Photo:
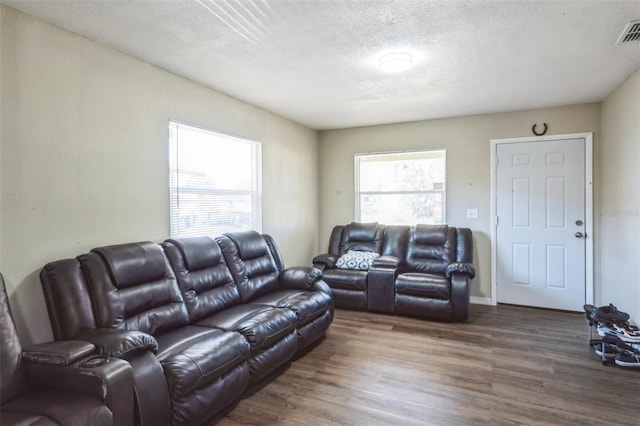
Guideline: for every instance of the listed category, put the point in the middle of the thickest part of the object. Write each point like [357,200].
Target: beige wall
[83,159]
[467,142]
[84,156]
[619,210]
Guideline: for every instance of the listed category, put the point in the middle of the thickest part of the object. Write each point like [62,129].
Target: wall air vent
[631,32]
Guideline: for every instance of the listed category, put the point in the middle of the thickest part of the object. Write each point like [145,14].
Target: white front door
[540,232]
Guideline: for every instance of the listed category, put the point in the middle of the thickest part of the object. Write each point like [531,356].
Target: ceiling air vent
[631,32]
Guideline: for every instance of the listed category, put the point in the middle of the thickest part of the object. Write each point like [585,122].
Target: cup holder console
[94,361]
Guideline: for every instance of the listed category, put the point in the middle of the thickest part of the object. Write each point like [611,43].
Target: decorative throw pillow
[357,260]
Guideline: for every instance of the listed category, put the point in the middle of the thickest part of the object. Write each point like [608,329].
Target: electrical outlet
[472,213]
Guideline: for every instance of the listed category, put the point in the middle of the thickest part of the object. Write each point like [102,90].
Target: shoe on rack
[610,351]
[621,344]
[627,355]
[630,331]
[588,312]
[628,334]
[605,314]
[628,359]
[604,330]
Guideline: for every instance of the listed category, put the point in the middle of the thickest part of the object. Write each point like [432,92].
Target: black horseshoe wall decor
[533,129]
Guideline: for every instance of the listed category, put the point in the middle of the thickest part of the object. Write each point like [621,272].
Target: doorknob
[579,235]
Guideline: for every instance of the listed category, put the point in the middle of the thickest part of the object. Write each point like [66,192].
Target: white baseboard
[480,300]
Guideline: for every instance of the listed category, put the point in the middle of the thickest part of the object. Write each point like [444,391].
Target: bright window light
[402,188]
[214,182]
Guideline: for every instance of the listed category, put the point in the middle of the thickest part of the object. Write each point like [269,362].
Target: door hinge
[497,221]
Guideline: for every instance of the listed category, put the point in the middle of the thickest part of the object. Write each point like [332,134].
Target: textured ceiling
[315,62]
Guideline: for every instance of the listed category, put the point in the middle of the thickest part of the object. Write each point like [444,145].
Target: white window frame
[202,228]
[358,193]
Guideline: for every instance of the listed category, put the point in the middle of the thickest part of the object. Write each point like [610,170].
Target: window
[214,182]
[402,188]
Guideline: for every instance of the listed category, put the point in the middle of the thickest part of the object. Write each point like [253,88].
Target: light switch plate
[472,213]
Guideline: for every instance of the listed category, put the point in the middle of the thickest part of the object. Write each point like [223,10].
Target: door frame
[588,206]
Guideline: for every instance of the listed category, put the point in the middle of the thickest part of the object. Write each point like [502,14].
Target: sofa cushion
[261,325]
[307,305]
[255,274]
[357,260]
[207,402]
[361,237]
[423,285]
[133,264]
[154,306]
[205,281]
[346,279]
[208,291]
[431,248]
[64,284]
[358,231]
[250,244]
[175,341]
[198,252]
[432,235]
[203,362]
[424,307]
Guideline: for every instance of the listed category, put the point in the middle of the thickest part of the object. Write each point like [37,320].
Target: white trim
[588,219]
[480,300]
[588,207]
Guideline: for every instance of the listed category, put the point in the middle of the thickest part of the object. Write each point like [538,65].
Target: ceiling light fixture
[396,62]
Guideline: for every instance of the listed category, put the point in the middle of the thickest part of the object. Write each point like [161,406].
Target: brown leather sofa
[422,270]
[199,320]
[60,383]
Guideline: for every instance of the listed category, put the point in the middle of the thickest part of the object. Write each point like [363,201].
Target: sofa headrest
[134,263]
[362,231]
[198,252]
[430,235]
[250,244]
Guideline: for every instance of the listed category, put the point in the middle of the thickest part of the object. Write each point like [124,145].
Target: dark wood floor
[507,365]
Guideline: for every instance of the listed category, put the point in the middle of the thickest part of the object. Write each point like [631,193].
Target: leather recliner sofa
[60,383]
[199,320]
[422,271]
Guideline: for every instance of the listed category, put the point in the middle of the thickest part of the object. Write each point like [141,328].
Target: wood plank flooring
[506,365]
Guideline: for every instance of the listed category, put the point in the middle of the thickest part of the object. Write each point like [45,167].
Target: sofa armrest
[110,381]
[386,262]
[322,287]
[119,343]
[62,352]
[460,268]
[325,260]
[299,277]
[460,296]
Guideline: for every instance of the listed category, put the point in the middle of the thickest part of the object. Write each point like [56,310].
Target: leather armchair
[62,382]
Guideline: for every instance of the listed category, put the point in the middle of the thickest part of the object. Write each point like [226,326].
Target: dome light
[396,62]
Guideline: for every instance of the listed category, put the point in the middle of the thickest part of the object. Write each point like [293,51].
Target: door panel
[540,196]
